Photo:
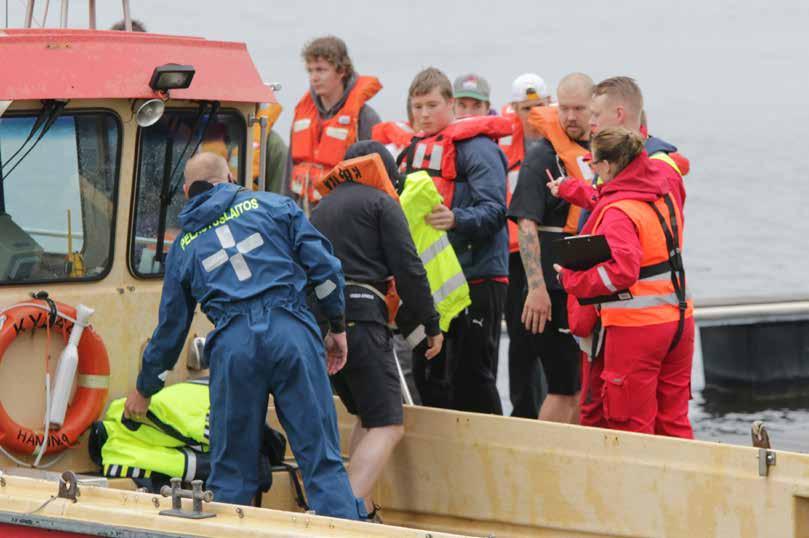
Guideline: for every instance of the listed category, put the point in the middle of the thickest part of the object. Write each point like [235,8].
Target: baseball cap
[472,86]
[528,86]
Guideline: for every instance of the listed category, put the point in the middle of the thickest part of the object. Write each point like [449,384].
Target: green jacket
[447,282]
[172,440]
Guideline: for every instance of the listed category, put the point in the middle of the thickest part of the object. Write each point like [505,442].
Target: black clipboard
[580,252]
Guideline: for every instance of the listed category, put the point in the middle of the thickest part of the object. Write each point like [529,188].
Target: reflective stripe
[301,125]
[646,301]
[663,156]
[94,381]
[414,338]
[136,472]
[324,290]
[240,266]
[164,375]
[418,157]
[114,471]
[214,261]
[551,229]
[506,140]
[435,157]
[246,245]
[435,249]
[337,132]
[512,179]
[605,278]
[190,464]
[225,237]
[448,287]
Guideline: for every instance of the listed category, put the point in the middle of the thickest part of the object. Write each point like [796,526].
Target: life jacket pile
[172,441]
[436,154]
[570,158]
[318,145]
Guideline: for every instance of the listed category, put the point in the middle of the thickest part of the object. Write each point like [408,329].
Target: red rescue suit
[317,145]
[642,384]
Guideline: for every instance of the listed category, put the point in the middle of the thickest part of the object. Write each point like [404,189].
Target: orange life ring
[93,379]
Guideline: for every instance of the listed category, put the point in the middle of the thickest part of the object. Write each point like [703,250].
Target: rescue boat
[93,128]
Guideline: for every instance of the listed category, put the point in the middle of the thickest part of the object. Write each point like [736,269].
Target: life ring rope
[42,307]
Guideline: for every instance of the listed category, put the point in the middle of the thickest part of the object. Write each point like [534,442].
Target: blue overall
[247,258]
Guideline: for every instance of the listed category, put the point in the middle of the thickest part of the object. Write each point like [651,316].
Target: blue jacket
[656,145]
[480,238]
[237,245]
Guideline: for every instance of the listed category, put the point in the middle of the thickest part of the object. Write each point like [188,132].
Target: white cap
[528,86]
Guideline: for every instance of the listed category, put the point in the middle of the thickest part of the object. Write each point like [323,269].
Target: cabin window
[57,196]
[164,149]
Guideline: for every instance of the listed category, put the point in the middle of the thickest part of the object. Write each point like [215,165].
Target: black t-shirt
[370,236]
[532,200]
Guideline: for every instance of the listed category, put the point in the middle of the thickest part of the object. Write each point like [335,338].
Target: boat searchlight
[172,77]
[164,78]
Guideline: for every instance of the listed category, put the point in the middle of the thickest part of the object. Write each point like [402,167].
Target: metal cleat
[177,495]
[68,486]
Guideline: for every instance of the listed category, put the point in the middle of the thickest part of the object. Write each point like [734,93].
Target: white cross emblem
[237,261]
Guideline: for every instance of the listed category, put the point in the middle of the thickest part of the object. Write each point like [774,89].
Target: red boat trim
[91,64]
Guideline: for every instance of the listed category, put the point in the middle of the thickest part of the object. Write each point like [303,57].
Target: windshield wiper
[176,185]
[168,188]
[45,112]
[57,110]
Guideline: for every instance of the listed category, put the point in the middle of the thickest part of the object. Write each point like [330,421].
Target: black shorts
[558,351]
[369,383]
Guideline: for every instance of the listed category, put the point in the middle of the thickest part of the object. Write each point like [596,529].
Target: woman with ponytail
[636,302]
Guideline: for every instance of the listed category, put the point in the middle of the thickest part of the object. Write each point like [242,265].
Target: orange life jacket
[395,135]
[659,295]
[367,170]
[545,119]
[436,154]
[513,146]
[318,145]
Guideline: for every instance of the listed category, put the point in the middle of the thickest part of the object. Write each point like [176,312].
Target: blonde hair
[428,79]
[331,49]
[625,90]
[616,145]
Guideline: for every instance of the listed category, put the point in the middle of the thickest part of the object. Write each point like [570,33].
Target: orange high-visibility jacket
[659,294]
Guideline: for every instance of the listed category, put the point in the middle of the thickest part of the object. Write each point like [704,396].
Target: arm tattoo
[530,253]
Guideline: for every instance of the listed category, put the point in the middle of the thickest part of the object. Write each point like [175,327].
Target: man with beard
[542,219]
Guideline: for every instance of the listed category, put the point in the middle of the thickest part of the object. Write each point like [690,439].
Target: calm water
[725,81]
